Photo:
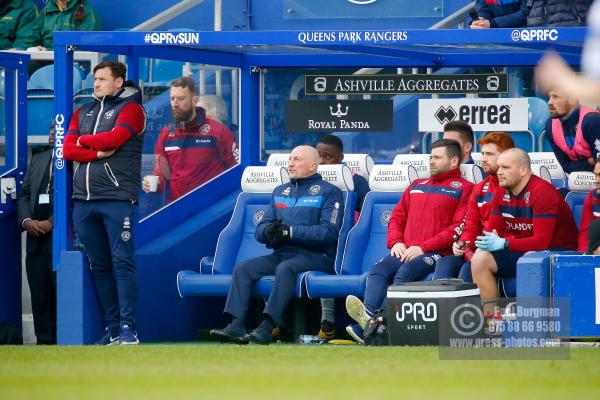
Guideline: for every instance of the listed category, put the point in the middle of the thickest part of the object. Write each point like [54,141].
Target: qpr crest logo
[204,129]
[109,114]
[314,189]
[455,184]
[486,187]
[125,236]
[526,197]
[258,216]
[506,197]
[428,260]
[385,217]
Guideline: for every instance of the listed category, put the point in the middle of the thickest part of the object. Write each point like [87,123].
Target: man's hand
[481,23]
[105,154]
[397,250]
[490,241]
[458,252]
[32,226]
[45,225]
[591,161]
[410,253]
[277,235]
[145,185]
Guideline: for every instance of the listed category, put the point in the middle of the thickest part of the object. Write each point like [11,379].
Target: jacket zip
[111,174]
[575,11]
[87,169]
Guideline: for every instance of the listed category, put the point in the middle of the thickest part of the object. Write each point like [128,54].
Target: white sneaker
[356,310]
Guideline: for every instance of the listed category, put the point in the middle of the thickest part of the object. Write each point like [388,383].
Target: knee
[242,268]
[284,268]
[383,266]
[482,262]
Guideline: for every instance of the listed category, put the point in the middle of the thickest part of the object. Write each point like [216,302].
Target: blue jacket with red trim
[429,212]
[313,208]
[503,13]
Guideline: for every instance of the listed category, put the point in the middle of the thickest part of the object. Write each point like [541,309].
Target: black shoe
[258,337]
[229,335]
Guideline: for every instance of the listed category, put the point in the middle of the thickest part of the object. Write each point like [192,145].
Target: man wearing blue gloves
[528,215]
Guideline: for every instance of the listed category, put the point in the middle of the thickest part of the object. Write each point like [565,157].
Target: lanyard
[50,173]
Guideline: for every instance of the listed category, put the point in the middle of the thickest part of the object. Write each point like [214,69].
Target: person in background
[590,213]
[557,13]
[17,19]
[594,239]
[464,135]
[331,151]
[35,215]
[500,14]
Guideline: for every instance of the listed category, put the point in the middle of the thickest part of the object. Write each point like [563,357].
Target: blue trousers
[285,263]
[105,229]
[390,270]
[452,267]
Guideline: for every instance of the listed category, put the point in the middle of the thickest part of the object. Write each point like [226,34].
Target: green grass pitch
[212,371]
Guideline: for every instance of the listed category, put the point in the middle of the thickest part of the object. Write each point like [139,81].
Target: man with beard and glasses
[194,149]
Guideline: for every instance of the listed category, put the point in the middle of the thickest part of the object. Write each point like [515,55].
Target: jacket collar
[308,180]
[452,174]
[199,119]
[129,91]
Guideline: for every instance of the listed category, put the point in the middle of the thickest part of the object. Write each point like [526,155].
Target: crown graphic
[339,113]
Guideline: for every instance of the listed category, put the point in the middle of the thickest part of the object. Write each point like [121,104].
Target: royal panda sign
[502,114]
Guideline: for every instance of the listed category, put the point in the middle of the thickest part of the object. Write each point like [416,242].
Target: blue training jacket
[503,13]
[314,210]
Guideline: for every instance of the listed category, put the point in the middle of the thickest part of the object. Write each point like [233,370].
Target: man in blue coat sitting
[301,225]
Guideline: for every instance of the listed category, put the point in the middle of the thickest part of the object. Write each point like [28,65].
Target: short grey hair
[215,107]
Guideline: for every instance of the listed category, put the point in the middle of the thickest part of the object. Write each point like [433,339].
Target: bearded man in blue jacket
[301,225]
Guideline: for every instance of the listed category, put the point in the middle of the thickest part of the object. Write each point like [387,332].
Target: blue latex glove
[490,242]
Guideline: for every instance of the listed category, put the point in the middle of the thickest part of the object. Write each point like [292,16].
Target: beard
[182,116]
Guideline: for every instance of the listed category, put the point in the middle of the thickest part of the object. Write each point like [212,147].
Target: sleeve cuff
[23,222]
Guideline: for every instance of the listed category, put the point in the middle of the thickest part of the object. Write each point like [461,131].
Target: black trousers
[42,284]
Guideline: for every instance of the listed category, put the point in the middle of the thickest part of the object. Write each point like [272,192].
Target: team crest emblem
[314,189]
[204,129]
[526,197]
[506,198]
[109,114]
[455,184]
[385,217]
[428,260]
[286,192]
[486,187]
[125,236]
[258,216]
[171,134]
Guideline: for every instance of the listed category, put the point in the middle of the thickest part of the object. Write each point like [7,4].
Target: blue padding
[559,183]
[320,284]
[574,277]
[347,224]
[192,283]
[575,202]
[533,273]
[206,265]
[507,287]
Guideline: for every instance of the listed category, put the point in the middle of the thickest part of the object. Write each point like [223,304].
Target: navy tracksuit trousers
[390,270]
[105,229]
[285,263]
[452,267]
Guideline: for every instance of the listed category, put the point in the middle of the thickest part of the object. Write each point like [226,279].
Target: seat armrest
[206,265]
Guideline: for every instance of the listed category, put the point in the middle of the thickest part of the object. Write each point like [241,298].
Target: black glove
[270,230]
[278,235]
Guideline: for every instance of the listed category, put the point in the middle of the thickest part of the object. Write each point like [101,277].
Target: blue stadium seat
[43,78]
[88,82]
[579,184]
[366,243]
[40,111]
[165,70]
[237,243]
[538,115]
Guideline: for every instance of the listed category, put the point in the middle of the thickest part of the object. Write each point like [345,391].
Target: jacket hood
[129,91]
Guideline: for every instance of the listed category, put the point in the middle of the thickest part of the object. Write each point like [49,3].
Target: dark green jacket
[17,18]
[51,19]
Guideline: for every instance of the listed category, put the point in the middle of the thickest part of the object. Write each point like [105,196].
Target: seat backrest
[278,160]
[580,184]
[236,242]
[340,176]
[366,242]
[43,78]
[542,172]
[548,159]
[471,172]
[477,159]
[361,164]
[524,140]
[538,115]
[419,161]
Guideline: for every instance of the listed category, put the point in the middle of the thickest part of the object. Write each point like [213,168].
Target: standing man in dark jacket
[36,217]
[302,226]
[105,139]
[500,14]
[558,12]
[17,19]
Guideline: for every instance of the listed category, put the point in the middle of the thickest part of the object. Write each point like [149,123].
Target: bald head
[514,169]
[304,161]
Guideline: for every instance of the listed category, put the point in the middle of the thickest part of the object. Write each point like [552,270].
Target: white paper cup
[153,182]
